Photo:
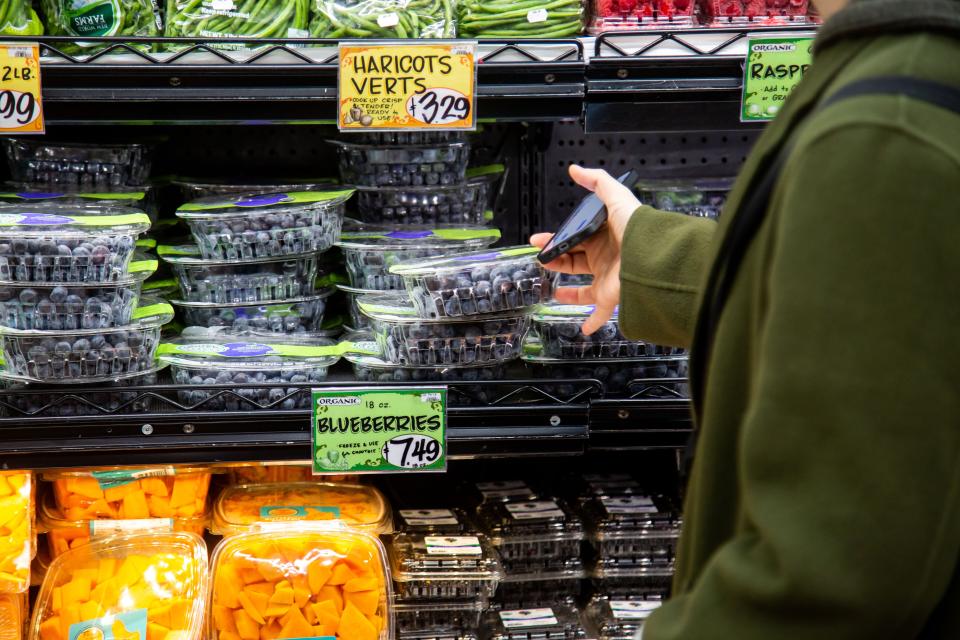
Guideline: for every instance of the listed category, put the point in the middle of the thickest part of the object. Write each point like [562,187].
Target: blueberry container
[39,161]
[649,378]
[559,327]
[296,315]
[81,401]
[51,243]
[224,281]
[465,203]
[442,522]
[702,197]
[475,283]
[405,138]
[635,526]
[405,338]
[403,166]
[368,255]
[437,620]
[86,355]
[619,619]
[142,198]
[193,189]
[161,287]
[532,531]
[437,567]
[358,320]
[239,365]
[265,225]
[558,622]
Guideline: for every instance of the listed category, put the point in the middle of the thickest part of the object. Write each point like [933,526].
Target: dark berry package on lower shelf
[620,618]
[733,12]
[537,530]
[558,622]
[432,568]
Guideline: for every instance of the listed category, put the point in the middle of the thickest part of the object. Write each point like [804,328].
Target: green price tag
[774,67]
[379,430]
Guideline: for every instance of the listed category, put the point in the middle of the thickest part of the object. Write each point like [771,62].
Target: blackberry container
[596,485]
[531,532]
[228,281]
[204,188]
[619,619]
[293,316]
[368,255]
[51,243]
[442,522]
[86,355]
[403,166]
[558,622]
[405,338]
[435,620]
[465,203]
[623,578]
[39,161]
[437,567]
[82,401]
[265,225]
[504,491]
[480,282]
[633,527]
[239,364]
[560,328]
[702,197]
[533,584]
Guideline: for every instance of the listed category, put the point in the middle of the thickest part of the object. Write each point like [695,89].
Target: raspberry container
[702,197]
[559,328]
[403,166]
[86,355]
[76,164]
[535,531]
[52,243]
[370,254]
[81,401]
[480,282]
[559,622]
[465,203]
[723,13]
[405,338]
[360,507]
[430,567]
[294,316]
[632,15]
[17,530]
[438,620]
[620,619]
[130,583]
[130,493]
[433,521]
[204,188]
[632,526]
[239,365]
[220,281]
[265,225]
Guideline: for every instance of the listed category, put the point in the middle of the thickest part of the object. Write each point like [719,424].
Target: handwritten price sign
[21,101]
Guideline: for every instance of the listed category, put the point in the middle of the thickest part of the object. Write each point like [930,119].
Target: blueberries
[96,403]
[426,344]
[245,396]
[45,308]
[287,317]
[373,370]
[504,287]
[563,339]
[403,166]
[92,166]
[246,282]
[52,259]
[617,377]
[457,204]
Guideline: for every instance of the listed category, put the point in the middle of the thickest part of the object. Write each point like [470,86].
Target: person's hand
[600,254]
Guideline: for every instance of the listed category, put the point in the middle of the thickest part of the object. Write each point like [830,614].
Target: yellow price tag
[404,87]
[21,98]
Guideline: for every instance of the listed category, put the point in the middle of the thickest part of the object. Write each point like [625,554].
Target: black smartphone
[589,216]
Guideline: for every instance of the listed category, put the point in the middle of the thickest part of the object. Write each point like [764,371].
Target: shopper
[824,501]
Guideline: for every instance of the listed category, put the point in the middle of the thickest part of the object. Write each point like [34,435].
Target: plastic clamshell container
[39,161]
[265,225]
[368,255]
[165,288]
[619,619]
[130,494]
[631,527]
[649,378]
[83,401]
[204,188]
[595,485]
[618,577]
[301,582]
[504,491]
[141,198]
[465,203]
[297,315]
[613,15]
[560,328]
[63,534]
[240,280]
[405,138]
[358,320]
[436,620]
[438,567]
[51,243]
[553,582]
[14,615]
[403,166]
[731,13]
[406,338]
[703,197]
[450,521]
[475,283]
[260,473]
[17,533]
[239,364]
[86,355]
[560,622]
[523,531]
[143,583]
[357,506]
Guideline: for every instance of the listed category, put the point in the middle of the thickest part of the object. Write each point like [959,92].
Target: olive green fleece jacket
[824,501]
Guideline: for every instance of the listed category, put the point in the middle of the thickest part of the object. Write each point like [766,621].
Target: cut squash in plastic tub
[14,614]
[309,583]
[136,587]
[16,530]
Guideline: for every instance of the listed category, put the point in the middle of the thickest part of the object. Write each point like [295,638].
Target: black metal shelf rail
[161,424]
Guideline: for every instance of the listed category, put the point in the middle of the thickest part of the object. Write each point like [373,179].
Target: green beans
[88,18]
[383,19]
[519,19]
[237,19]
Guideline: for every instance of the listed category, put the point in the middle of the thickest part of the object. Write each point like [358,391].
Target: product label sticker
[526,618]
[105,528]
[120,477]
[627,505]
[453,545]
[429,517]
[537,509]
[537,15]
[388,20]
[299,512]
[130,625]
[774,66]
[504,489]
[633,609]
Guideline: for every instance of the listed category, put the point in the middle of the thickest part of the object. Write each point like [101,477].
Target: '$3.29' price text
[439,106]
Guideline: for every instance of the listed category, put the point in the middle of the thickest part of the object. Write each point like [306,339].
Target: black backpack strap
[753,211]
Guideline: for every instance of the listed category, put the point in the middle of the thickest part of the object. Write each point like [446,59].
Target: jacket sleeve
[849,451]
[663,259]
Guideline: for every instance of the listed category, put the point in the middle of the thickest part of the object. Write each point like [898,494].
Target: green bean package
[17,18]
[383,19]
[91,18]
[520,18]
[238,19]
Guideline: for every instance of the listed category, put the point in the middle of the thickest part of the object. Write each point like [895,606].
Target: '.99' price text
[439,106]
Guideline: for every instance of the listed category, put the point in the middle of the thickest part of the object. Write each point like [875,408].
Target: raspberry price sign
[21,101]
[360,430]
[407,86]
[773,68]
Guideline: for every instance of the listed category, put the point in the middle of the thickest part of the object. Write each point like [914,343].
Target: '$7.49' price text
[439,106]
